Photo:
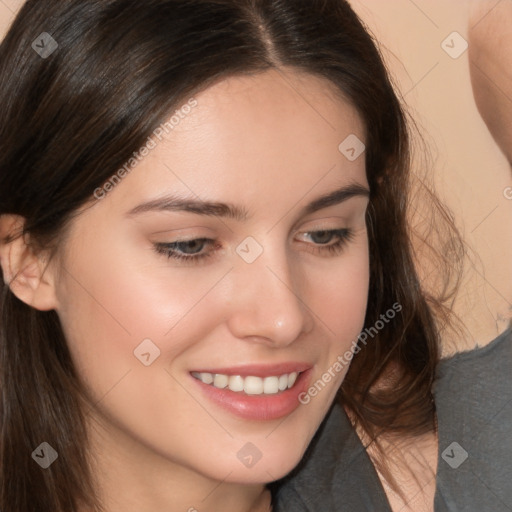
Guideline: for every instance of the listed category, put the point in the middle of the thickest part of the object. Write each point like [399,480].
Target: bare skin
[413,464]
[490,60]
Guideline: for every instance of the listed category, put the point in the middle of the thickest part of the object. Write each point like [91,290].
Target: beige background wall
[470,171]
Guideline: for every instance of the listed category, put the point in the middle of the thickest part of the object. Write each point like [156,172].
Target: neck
[406,466]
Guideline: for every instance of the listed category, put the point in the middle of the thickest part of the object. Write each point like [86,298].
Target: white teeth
[236,383]
[250,385]
[253,385]
[207,378]
[220,381]
[270,385]
[283,382]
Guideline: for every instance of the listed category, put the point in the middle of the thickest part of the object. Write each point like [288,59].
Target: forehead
[276,134]
[266,102]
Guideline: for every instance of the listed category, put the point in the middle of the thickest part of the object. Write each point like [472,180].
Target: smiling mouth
[250,385]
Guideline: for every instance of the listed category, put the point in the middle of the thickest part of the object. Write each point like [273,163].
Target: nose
[267,303]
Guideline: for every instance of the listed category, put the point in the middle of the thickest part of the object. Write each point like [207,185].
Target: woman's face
[159,293]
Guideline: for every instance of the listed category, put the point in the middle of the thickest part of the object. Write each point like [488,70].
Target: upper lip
[258,370]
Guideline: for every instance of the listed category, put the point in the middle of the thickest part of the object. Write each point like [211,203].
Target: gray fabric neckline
[475,428]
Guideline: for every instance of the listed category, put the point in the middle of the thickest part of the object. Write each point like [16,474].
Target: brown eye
[190,246]
[322,237]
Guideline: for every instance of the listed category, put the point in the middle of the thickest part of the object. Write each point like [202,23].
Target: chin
[261,466]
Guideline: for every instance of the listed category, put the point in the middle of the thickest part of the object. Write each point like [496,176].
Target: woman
[204,235]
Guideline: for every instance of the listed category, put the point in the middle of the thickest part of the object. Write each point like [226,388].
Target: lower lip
[257,407]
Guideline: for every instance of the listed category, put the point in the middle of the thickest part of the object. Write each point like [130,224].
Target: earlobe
[24,271]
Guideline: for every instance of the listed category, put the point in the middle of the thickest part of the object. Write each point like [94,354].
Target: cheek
[110,308]
[111,305]
[341,302]
[340,295]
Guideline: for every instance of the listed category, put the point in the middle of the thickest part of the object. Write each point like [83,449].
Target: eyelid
[332,221]
[347,211]
[324,224]
[188,228]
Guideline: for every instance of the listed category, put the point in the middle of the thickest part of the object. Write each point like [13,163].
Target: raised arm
[490,59]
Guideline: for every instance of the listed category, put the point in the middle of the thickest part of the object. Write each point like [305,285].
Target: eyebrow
[239,213]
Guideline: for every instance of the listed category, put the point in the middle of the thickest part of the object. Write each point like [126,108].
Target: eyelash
[344,236]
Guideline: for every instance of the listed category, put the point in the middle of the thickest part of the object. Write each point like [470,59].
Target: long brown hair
[72,119]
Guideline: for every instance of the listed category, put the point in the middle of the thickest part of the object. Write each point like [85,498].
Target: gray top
[473,395]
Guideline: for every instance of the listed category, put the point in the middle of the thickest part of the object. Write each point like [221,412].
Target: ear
[26,272]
